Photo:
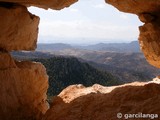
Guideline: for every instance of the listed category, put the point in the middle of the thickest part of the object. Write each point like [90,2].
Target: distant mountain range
[128,67]
[116,47]
[53,47]
[106,64]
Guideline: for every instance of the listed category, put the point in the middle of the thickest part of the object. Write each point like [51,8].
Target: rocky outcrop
[148,12]
[23,84]
[104,103]
[135,6]
[150,39]
[19,28]
[53,4]
[23,89]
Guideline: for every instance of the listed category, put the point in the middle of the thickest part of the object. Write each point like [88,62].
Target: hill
[128,67]
[53,47]
[68,71]
[125,66]
[23,55]
[116,47]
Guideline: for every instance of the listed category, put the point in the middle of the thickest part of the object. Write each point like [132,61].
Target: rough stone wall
[149,13]
[52,4]
[77,102]
[23,85]
[19,28]
[149,37]
[23,89]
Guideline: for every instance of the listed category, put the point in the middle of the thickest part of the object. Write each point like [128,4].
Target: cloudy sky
[86,22]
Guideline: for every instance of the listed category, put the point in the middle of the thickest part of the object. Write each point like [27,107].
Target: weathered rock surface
[149,39]
[24,84]
[103,103]
[148,12]
[19,28]
[53,4]
[135,6]
[23,89]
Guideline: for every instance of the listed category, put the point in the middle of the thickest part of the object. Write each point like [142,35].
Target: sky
[86,22]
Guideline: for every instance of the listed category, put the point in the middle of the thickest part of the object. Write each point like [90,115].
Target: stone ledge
[19,28]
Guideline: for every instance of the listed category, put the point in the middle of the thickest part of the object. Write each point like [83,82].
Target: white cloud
[88,30]
[74,10]
[87,20]
[124,16]
[101,6]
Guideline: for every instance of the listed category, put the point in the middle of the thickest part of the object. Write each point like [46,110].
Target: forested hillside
[89,65]
[127,67]
[67,71]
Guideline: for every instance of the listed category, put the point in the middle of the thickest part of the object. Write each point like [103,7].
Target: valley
[67,65]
